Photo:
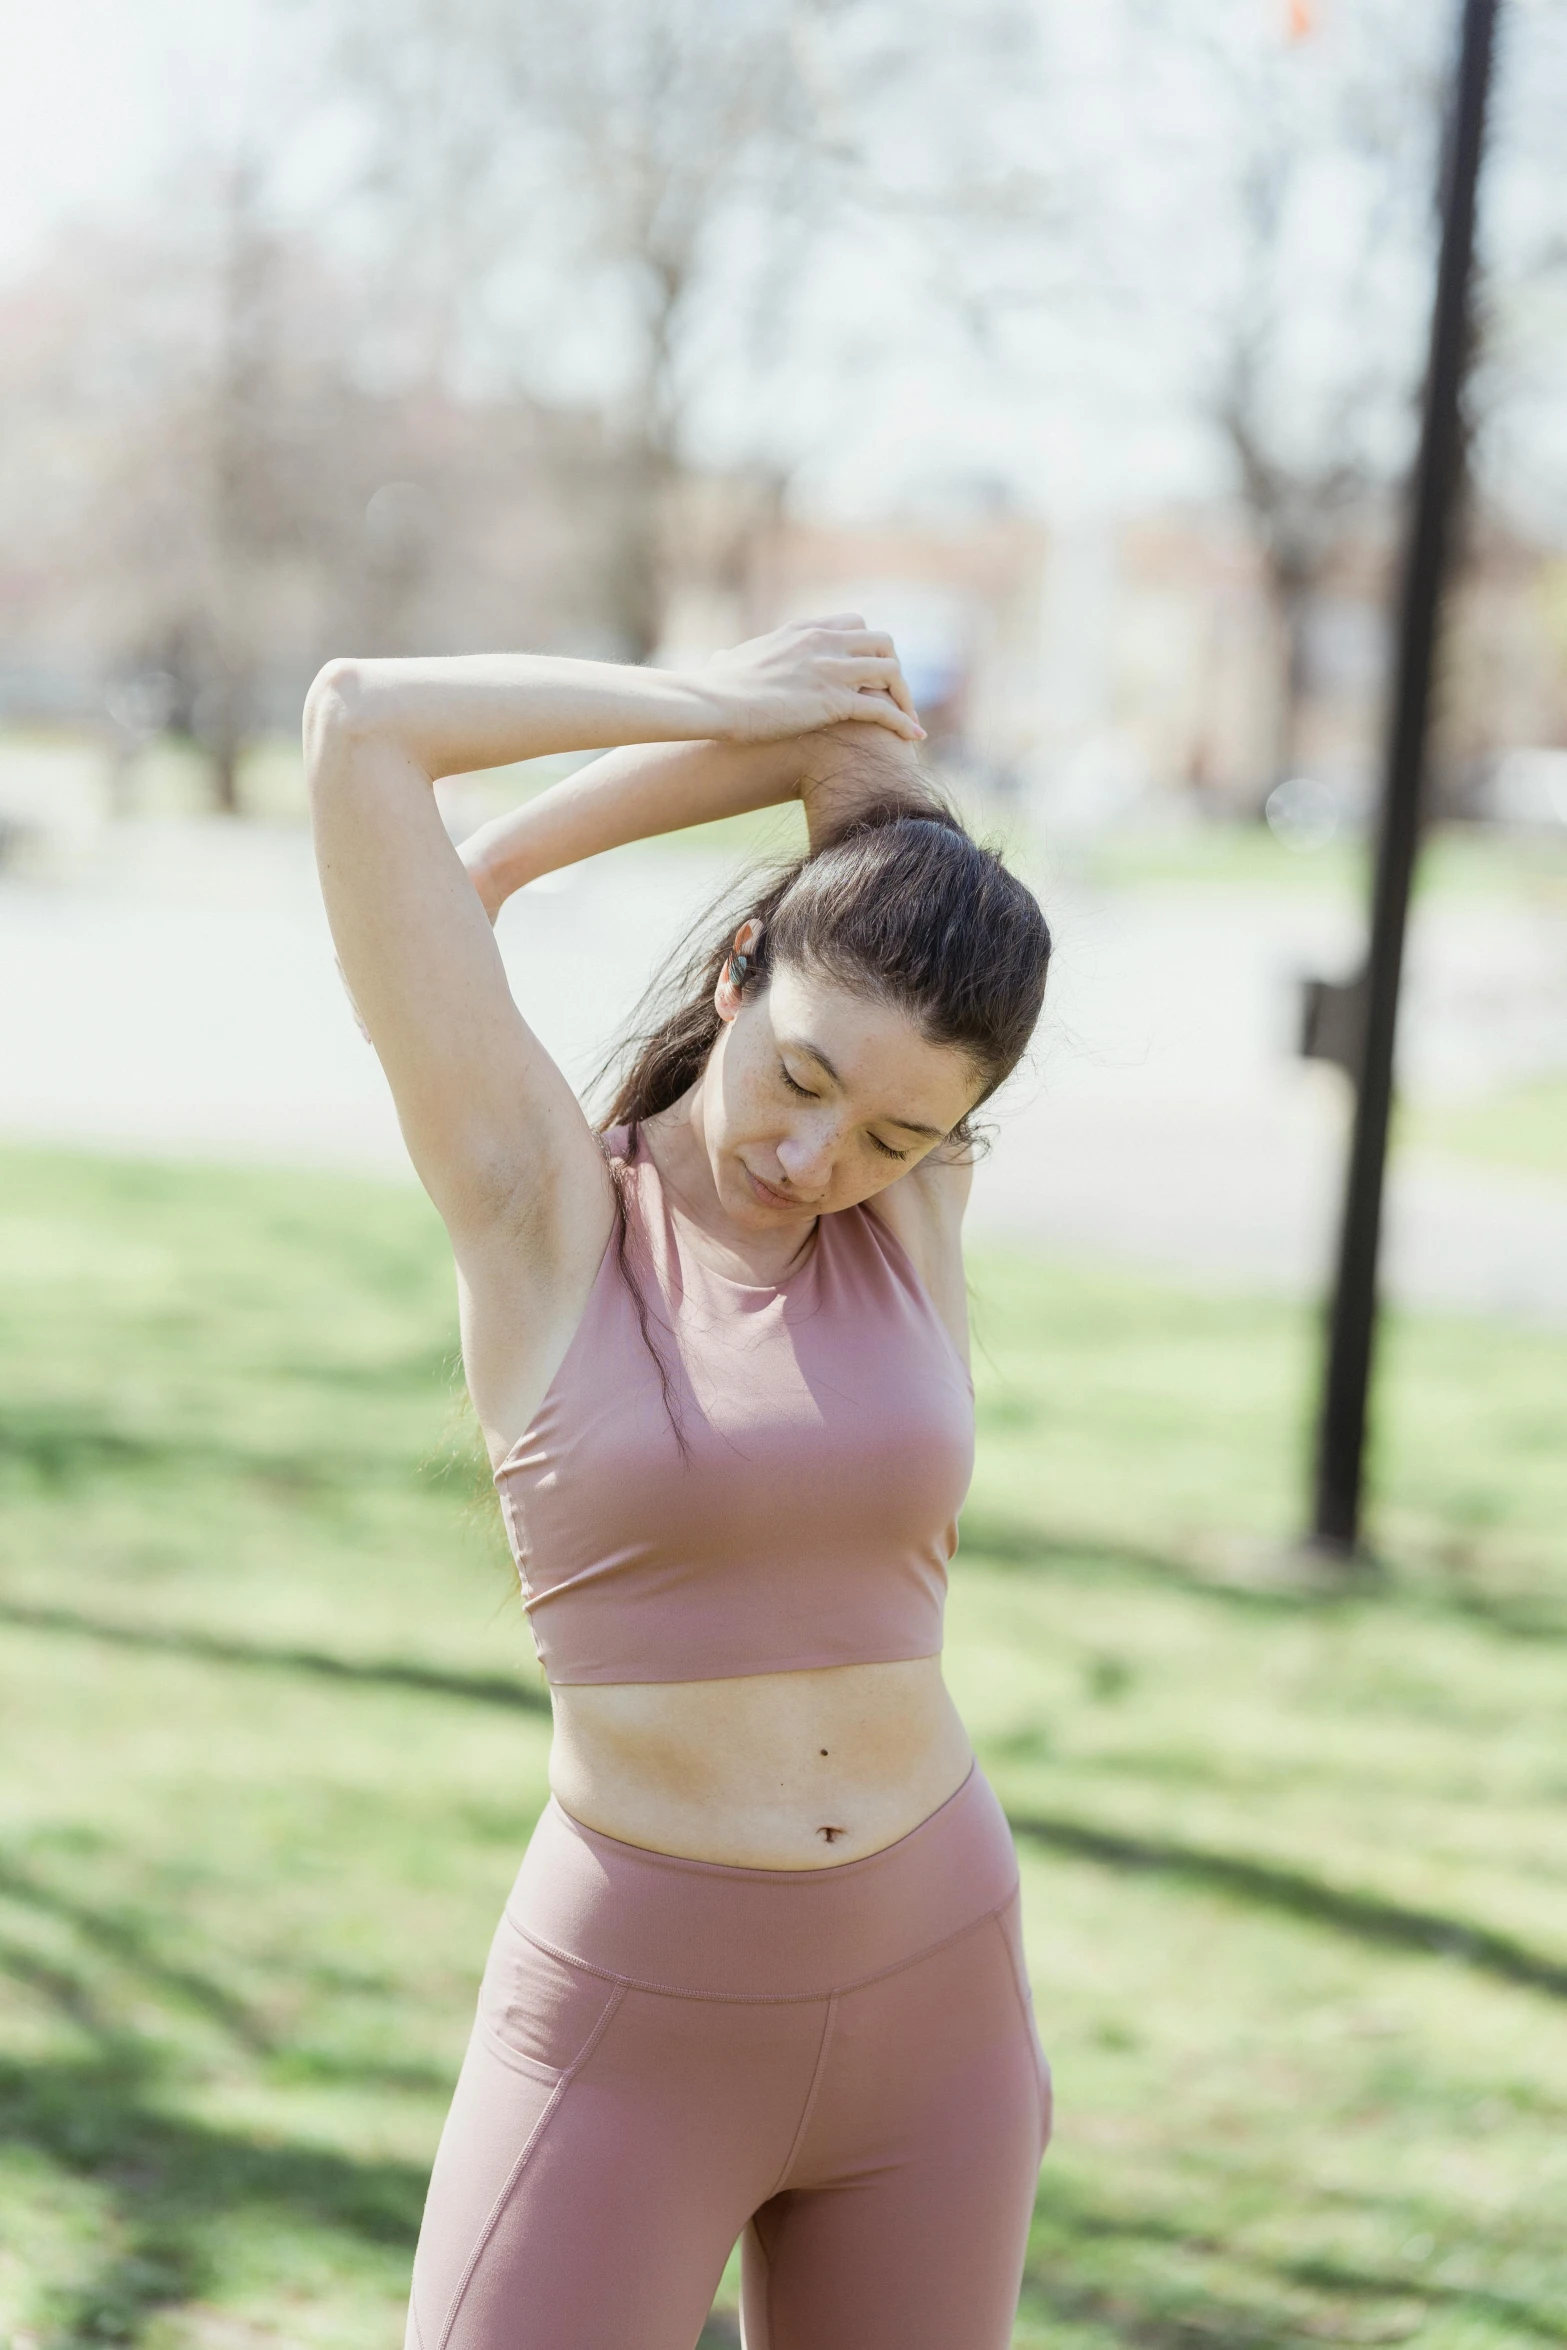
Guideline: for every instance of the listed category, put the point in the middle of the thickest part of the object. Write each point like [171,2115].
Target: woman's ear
[729,993]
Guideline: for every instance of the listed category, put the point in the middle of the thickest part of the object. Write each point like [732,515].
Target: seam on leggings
[762,1998]
[817,2072]
[492,2217]
[526,2068]
[1020,1991]
[1025,2008]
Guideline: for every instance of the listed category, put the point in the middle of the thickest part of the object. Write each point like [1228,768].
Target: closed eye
[806,1095]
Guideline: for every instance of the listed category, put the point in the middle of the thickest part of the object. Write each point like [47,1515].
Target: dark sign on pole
[1438,467]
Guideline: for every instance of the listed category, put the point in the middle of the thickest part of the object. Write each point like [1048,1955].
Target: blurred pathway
[178,996]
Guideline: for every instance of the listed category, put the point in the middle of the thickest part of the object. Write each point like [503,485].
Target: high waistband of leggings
[711,1931]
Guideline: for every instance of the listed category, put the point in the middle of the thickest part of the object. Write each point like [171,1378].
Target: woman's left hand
[806,675]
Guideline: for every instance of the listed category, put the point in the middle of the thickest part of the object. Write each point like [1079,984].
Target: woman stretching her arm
[761,1971]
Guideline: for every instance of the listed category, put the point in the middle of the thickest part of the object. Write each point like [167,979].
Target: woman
[761,1972]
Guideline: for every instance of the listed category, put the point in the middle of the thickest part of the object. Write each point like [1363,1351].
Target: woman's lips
[768,1196]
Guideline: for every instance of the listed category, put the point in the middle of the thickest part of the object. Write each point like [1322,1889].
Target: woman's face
[814,1097]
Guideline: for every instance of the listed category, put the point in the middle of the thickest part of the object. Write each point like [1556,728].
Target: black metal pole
[1352,1323]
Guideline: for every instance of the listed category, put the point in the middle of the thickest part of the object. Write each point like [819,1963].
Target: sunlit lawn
[1522,1126]
[1457,860]
[1295,1868]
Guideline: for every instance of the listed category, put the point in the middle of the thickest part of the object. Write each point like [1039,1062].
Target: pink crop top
[829,1440]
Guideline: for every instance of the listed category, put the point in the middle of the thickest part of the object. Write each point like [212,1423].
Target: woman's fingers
[877,677]
[785,677]
[874,703]
[898,687]
[882,673]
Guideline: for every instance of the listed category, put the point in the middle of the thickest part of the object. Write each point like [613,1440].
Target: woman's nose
[806,1156]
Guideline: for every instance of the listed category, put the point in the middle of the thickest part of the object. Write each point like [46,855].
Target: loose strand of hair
[620,1179]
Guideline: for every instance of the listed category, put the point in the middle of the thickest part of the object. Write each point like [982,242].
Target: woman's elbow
[335,708]
[345,715]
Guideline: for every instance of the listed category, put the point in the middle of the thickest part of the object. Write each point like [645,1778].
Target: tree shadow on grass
[60,1449]
[168,2183]
[1091,2265]
[120,1936]
[168,2179]
[1341,2279]
[165,2181]
[62,1446]
[1368,1916]
[998,1540]
[123,1938]
[214,1648]
[1001,1541]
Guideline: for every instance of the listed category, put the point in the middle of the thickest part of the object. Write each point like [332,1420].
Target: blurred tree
[647,204]
[1267,209]
[603,201]
[142,531]
[253,508]
[205,490]
[186,374]
[1282,193]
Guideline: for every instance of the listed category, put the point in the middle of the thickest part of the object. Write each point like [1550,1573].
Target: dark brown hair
[900,904]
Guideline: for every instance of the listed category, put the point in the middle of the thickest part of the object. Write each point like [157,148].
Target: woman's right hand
[807,675]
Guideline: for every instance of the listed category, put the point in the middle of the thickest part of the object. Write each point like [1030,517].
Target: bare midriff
[799,1770]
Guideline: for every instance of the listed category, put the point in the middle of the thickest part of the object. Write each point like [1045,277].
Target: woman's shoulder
[922,1215]
[924,1210]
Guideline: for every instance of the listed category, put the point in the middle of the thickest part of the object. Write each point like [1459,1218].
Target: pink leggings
[840,2063]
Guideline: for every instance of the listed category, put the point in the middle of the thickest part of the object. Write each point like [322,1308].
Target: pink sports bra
[810,1515]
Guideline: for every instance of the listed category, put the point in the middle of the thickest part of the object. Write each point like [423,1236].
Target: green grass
[1462,860]
[1522,1126]
[273,1743]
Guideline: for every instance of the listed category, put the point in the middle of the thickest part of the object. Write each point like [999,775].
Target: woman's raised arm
[630,794]
[493,1128]
[652,788]
[489,1121]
